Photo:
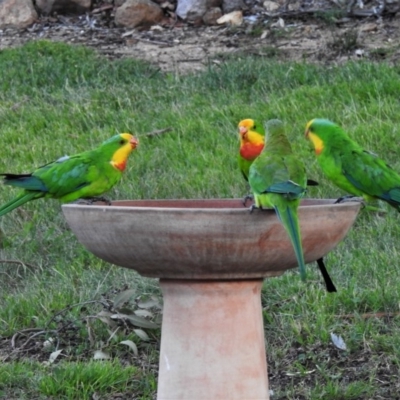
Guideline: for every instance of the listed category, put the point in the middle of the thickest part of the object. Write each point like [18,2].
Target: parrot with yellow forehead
[350,167]
[251,137]
[83,176]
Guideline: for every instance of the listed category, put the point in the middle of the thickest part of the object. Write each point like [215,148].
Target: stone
[191,10]
[17,14]
[271,5]
[138,14]
[234,18]
[232,5]
[369,27]
[212,15]
[63,6]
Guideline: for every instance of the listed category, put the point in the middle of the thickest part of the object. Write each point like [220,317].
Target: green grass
[56,100]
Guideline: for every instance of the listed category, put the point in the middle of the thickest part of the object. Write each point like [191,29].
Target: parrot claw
[92,200]
[252,208]
[100,198]
[247,197]
[347,198]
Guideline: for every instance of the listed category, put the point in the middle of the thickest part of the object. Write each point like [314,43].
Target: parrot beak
[306,133]
[242,130]
[134,142]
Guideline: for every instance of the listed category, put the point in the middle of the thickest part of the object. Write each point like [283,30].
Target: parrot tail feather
[18,201]
[289,219]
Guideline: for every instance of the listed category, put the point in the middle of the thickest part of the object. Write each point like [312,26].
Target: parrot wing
[371,175]
[57,179]
[67,175]
[281,175]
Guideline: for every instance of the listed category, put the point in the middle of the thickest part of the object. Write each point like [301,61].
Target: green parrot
[83,176]
[350,167]
[278,180]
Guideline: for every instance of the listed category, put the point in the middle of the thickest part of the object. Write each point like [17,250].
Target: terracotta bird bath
[211,257]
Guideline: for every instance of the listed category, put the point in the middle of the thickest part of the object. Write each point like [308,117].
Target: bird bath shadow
[211,257]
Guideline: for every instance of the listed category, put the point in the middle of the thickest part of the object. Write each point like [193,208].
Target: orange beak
[134,142]
[306,133]
[243,130]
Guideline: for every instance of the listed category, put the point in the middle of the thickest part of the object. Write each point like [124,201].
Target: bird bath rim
[200,204]
[206,239]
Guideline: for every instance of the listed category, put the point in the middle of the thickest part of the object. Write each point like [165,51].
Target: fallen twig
[158,132]
[16,334]
[102,8]
[103,303]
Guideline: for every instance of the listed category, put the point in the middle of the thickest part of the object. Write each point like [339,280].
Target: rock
[232,5]
[293,6]
[212,15]
[270,5]
[191,10]
[17,14]
[63,6]
[369,27]
[138,13]
[235,18]
[213,4]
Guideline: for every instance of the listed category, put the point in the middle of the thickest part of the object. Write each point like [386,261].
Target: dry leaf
[142,334]
[54,355]
[132,345]
[100,355]
[123,297]
[136,320]
[338,342]
[143,313]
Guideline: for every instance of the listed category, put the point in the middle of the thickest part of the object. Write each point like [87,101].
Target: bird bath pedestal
[211,257]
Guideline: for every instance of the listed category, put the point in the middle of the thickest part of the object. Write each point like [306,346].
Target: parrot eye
[122,141]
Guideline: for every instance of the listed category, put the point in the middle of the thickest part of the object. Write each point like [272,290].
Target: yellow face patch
[309,123]
[121,155]
[317,142]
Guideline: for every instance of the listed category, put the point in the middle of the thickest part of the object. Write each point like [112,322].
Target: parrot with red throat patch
[350,167]
[251,136]
[83,176]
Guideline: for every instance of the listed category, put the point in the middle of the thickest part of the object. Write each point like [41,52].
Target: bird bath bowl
[211,257]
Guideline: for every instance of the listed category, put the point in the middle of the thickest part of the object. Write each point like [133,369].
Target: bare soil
[312,31]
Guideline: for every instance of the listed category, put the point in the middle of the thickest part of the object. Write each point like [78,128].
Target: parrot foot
[247,197]
[252,208]
[100,198]
[345,199]
[91,200]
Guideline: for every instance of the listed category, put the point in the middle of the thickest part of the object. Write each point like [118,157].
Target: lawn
[56,99]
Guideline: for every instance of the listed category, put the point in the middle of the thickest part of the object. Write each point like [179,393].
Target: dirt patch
[304,34]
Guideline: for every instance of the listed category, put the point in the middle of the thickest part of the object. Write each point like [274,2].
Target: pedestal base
[212,341]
